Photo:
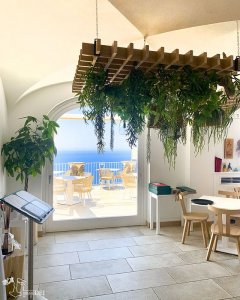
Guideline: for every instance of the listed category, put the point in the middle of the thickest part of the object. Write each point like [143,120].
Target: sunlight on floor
[105,202]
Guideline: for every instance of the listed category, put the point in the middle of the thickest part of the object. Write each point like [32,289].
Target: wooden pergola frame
[119,61]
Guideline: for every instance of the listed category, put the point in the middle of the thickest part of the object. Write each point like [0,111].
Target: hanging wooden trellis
[119,61]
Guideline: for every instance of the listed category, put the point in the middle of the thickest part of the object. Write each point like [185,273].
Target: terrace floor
[104,202]
[132,263]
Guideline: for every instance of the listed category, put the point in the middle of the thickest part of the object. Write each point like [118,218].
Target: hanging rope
[97,19]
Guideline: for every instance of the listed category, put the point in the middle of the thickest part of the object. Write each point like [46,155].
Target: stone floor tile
[232,265]
[146,294]
[230,284]
[152,239]
[153,249]
[76,289]
[139,280]
[196,272]
[99,268]
[154,261]
[58,259]
[111,243]
[104,254]
[51,274]
[62,248]
[199,256]
[198,290]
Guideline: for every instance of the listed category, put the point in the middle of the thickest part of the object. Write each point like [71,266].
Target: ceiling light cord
[97,19]
[238,47]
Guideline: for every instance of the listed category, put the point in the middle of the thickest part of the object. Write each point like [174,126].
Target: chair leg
[215,243]
[207,230]
[210,246]
[189,227]
[238,246]
[184,231]
[203,234]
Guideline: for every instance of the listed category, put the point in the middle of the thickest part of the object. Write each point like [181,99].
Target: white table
[224,203]
[70,189]
[157,198]
[160,202]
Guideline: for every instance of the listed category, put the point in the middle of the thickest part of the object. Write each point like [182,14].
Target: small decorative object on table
[159,188]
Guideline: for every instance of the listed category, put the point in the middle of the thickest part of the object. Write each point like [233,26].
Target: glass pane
[88,184]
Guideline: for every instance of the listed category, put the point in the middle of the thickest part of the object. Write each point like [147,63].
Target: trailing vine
[167,100]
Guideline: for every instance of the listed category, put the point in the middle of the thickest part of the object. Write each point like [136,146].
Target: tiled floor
[132,264]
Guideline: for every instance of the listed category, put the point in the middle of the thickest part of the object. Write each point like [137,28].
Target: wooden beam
[128,57]
[200,61]
[173,58]
[114,53]
[159,59]
[145,54]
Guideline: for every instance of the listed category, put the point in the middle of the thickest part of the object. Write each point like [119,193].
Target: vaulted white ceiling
[39,38]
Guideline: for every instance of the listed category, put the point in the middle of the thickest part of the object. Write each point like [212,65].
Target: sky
[77,135]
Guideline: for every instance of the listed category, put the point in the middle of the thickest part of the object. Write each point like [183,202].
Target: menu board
[29,205]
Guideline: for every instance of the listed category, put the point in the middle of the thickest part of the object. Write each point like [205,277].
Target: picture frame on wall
[228,148]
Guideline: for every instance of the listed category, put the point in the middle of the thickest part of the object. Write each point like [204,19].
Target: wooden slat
[145,54]
[200,61]
[173,58]
[129,55]
[114,53]
[159,59]
[226,64]
[214,62]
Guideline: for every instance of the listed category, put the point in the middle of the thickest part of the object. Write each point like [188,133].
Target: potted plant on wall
[26,153]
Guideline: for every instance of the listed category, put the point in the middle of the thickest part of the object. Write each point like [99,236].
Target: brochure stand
[37,211]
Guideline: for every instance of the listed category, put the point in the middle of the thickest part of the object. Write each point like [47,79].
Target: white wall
[202,165]
[3,126]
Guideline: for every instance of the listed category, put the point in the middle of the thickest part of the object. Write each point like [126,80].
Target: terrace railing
[90,167]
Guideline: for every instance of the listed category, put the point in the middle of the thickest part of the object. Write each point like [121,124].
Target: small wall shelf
[225,181]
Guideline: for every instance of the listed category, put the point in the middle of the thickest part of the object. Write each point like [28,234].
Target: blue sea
[108,159]
[92,156]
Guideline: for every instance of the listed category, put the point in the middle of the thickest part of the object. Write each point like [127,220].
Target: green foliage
[168,100]
[26,153]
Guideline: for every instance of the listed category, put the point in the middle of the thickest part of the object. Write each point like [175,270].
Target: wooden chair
[126,170]
[106,175]
[220,229]
[83,186]
[59,186]
[129,183]
[190,217]
[232,194]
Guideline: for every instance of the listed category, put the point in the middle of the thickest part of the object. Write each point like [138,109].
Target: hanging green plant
[93,102]
[168,100]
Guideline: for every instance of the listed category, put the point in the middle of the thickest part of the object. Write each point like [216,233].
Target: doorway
[91,190]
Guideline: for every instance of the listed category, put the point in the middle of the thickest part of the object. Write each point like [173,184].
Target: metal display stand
[37,211]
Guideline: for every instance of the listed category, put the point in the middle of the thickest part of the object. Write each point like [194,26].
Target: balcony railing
[90,167]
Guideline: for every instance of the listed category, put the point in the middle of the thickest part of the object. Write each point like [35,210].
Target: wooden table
[224,203]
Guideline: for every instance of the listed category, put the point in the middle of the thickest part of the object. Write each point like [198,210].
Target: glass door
[92,190]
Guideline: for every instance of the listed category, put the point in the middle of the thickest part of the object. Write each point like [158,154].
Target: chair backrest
[229,194]
[129,180]
[83,183]
[58,184]
[237,190]
[220,213]
[74,170]
[180,197]
[105,173]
